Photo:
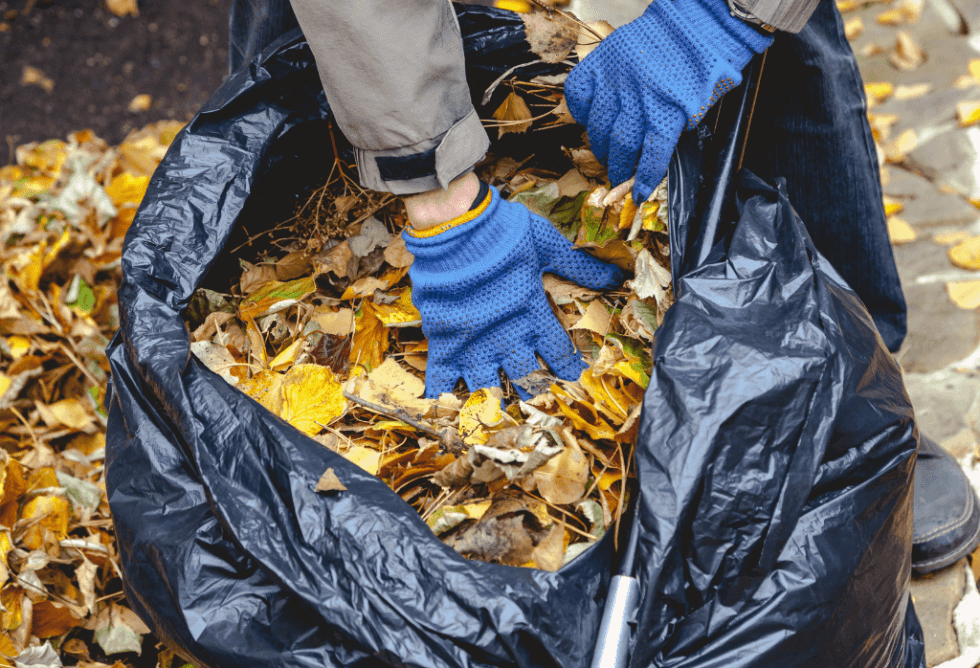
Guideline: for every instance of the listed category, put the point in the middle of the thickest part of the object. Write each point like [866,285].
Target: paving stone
[952,159]
[935,597]
[927,207]
[941,400]
[962,444]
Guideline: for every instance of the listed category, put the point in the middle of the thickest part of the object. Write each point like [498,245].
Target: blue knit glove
[478,287]
[649,79]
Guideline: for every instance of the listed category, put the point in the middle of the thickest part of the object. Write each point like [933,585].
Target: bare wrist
[431,208]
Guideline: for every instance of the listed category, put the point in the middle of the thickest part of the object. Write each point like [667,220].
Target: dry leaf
[367,458]
[562,479]
[965,294]
[968,112]
[906,142]
[877,92]
[892,205]
[966,254]
[900,232]
[551,35]
[311,398]
[853,28]
[597,319]
[952,238]
[549,554]
[907,55]
[337,323]
[589,38]
[329,482]
[912,92]
[139,103]
[396,254]
[481,410]
[514,115]
[123,7]
[31,76]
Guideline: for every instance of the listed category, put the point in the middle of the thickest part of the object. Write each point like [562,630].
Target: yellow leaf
[480,411]
[853,28]
[5,383]
[844,6]
[123,7]
[338,323]
[912,92]
[892,205]
[400,313]
[287,356]
[365,457]
[276,296]
[587,39]
[7,647]
[475,510]
[902,146]
[11,599]
[520,6]
[19,346]
[613,403]
[127,188]
[550,552]
[514,115]
[951,239]
[877,92]
[264,388]
[70,413]
[595,427]
[311,398]
[370,337]
[628,213]
[563,478]
[968,113]
[965,294]
[139,103]
[48,157]
[966,254]
[597,319]
[53,512]
[256,342]
[900,232]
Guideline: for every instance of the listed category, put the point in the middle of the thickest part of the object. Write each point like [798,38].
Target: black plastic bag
[785,538]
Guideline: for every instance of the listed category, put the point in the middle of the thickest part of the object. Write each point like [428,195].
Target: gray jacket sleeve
[786,15]
[394,75]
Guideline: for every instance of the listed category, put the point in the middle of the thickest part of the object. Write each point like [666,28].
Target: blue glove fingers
[605,110]
[654,159]
[439,379]
[479,376]
[519,364]
[557,350]
[625,141]
[558,256]
[579,91]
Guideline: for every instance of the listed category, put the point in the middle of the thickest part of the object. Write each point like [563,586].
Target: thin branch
[447,439]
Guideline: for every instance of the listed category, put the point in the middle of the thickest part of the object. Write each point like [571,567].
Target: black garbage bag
[775,455]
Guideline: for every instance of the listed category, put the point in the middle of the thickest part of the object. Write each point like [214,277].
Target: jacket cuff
[427,165]
[786,15]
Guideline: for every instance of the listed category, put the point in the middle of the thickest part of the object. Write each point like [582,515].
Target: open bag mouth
[221,432]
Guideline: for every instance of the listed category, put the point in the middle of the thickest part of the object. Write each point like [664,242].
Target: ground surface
[177,53]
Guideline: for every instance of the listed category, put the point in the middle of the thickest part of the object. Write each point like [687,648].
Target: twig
[30,430]
[568,16]
[446,438]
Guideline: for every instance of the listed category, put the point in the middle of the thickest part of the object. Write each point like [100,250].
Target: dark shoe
[946,512]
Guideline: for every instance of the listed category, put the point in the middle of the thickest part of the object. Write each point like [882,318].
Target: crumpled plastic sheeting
[777,452]
[775,457]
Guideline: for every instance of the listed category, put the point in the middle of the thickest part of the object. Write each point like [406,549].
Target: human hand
[653,77]
[477,283]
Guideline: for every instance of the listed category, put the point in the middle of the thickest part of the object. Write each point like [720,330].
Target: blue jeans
[254,25]
[810,126]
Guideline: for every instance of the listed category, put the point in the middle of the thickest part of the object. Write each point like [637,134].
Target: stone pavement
[933,179]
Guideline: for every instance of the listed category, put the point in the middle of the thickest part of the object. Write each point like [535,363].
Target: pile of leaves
[323,333]
[64,208]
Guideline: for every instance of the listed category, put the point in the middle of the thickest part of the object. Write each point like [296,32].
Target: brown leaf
[31,76]
[257,276]
[123,7]
[397,255]
[588,40]
[336,260]
[562,479]
[552,36]
[329,482]
[515,115]
[294,265]
[52,619]
[549,554]
[454,475]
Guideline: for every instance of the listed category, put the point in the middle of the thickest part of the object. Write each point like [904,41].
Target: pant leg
[254,25]
[810,126]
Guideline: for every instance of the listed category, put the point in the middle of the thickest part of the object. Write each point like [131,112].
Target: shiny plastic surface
[775,454]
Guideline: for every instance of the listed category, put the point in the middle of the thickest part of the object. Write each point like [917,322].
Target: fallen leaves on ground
[64,208]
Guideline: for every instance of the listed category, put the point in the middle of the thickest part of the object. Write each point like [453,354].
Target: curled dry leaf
[329,482]
[551,35]
[514,114]
[907,55]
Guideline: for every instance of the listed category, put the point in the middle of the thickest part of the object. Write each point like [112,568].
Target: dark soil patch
[174,51]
